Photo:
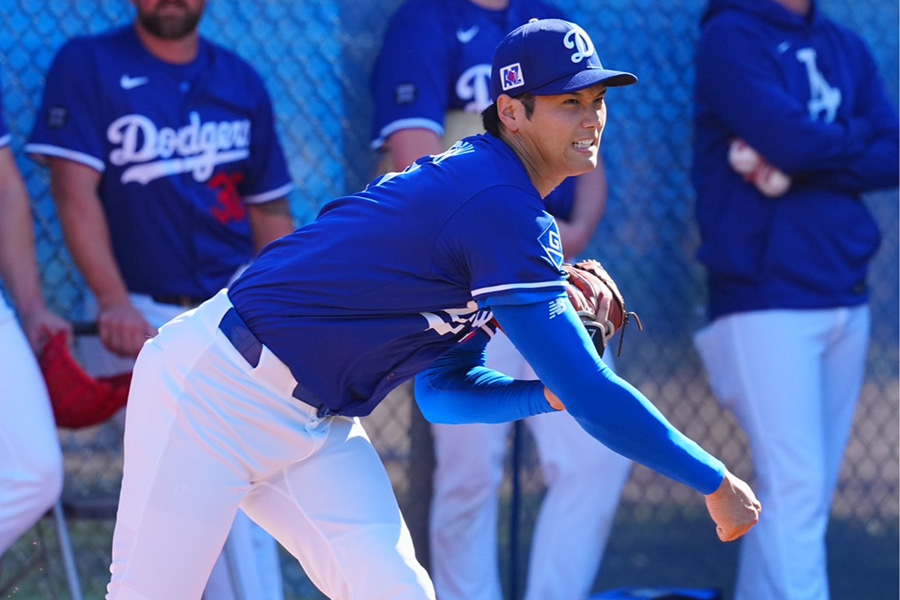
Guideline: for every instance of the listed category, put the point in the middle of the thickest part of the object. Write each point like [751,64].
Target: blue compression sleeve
[458,388]
[608,407]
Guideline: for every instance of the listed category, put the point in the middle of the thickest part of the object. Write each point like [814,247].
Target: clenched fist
[733,507]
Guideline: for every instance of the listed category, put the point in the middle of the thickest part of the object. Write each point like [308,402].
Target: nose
[593,117]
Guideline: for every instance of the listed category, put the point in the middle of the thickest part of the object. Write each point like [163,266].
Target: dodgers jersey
[180,148]
[437,57]
[386,280]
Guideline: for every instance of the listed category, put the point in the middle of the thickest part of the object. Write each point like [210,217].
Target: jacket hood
[767,10]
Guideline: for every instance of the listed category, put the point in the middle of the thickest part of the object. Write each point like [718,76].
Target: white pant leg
[463,519]
[31,470]
[249,567]
[770,368]
[203,429]
[467,478]
[584,480]
[336,512]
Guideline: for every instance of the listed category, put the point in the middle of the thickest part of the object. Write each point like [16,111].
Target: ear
[510,111]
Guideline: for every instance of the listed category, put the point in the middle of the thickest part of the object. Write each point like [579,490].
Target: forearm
[269,221]
[458,388]
[606,406]
[18,262]
[87,236]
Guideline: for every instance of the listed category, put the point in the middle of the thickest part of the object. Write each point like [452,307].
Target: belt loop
[240,336]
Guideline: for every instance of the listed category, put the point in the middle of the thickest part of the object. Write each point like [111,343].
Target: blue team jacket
[805,92]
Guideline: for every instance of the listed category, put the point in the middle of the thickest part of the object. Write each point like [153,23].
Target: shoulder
[104,41]
[548,10]
[238,69]
[412,12]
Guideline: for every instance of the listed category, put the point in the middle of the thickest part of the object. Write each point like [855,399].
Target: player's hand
[40,324]
[123,329]
[733,507]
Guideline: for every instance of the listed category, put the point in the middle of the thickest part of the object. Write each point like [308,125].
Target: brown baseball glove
[598,302]
[78,399]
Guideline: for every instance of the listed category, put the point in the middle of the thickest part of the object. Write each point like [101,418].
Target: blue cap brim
[584,79]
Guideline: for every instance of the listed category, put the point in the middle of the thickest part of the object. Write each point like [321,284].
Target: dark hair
[490,118]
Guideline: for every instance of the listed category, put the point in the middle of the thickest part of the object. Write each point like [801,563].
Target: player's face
[564,131]
[170,19]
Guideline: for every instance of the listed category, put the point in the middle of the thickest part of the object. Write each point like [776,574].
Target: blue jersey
[386,280]
[180,148]
[807,95]
[437,57]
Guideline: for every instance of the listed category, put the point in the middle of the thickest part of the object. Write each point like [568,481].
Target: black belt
[249,346]
[179,300]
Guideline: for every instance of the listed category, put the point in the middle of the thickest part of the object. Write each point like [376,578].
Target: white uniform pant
[206,433]
[792,378]
[249,567]
[31,470]
[584,480]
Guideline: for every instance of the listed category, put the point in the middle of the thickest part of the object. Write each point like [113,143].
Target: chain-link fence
[315,56]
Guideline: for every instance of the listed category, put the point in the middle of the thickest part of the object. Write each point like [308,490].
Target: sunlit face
[563,133]
[169,19]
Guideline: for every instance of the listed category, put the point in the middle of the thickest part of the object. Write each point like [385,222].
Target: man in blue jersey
[168,177]
[253,399]
[786,242]
[431,83]
[31,471]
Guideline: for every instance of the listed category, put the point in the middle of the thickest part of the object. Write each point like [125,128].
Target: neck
[800,7]
[491,4]
[542,184]
[178,52]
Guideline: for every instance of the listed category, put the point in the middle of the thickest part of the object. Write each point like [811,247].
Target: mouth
[584,145]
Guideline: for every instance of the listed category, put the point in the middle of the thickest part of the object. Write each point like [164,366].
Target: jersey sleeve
[410,80]
[507,245]
[268,178]
[68,123]
[613,411]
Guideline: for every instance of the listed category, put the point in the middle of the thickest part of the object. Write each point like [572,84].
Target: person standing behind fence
[431,82]
[168,176]
[31,470]
[786,242]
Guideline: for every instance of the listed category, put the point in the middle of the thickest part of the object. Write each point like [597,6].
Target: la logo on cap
[511,76]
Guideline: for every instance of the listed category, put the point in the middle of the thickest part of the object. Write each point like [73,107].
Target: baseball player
[168,177]
[253,399]
[31,473]
[431,82]
[787,264]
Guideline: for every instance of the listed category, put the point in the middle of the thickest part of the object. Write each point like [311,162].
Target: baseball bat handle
[85,328]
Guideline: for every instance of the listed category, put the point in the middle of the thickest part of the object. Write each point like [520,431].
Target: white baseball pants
[792,379]
[206,433]
[31,469]
[584,480]
[249,567]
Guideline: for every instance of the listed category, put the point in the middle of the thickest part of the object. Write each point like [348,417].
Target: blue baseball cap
[549,56]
